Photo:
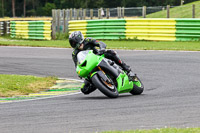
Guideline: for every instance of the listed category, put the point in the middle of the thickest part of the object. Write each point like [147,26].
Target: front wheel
[138,86]
[108,89]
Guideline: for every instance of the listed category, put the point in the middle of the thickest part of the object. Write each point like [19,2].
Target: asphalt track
[171,97]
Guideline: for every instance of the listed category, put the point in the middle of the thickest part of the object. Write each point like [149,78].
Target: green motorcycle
[106,75]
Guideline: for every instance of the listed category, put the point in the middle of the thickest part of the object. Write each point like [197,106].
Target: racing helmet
[75,39]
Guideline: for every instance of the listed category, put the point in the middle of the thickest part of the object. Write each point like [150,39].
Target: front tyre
[138,86]
[107,89]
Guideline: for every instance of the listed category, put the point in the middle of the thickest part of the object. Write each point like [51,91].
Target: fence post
[123,12]
[67,21]
[64,20]
[70,14]
[58,19]
[75,14]
[107,13]
[81,13]
[182,1]
[144,11]
[193,11]
[99,13]
[84,14]
[168,11]
[54,24]
[91,13]
[118,12]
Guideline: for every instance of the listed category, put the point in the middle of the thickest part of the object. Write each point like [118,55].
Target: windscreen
[81,56]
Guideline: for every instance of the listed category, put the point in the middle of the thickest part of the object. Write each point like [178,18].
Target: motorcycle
[106,75]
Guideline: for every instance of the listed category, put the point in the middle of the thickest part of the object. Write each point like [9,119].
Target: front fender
[100,74]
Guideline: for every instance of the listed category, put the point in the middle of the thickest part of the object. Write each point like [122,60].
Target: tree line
[24,8]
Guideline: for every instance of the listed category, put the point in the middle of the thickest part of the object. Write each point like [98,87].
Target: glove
[102,51]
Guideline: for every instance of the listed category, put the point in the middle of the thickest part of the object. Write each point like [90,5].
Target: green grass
[33,43]
[164,130]
[150,45]
[128,44]
[184,11]
[13,85]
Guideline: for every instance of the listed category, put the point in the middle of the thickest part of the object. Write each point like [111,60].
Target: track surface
[171,97]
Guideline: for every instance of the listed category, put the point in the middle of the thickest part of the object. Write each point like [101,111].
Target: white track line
[40,98]
[113,49]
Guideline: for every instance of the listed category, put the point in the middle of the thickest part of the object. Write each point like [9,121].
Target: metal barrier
[1,28]
[31,29]
[4,28]
[151,29]
[141,29]
[100,29]
[188,29]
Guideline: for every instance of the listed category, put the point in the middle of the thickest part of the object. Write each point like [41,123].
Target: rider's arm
[100,44]
[97,43]
[74,57]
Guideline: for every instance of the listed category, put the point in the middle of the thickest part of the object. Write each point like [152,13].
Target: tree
[13,8]
[2,9]
[48,8]
[43,7]
[24,8]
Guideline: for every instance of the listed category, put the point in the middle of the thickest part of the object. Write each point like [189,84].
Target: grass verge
[111,44]
[164,130]
[184,11]
[14,85]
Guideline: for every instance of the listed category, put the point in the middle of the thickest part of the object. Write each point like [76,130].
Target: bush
[62,36]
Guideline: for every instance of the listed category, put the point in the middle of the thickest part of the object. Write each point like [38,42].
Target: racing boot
[126,67]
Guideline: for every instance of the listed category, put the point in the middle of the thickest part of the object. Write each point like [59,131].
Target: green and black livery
[106,75]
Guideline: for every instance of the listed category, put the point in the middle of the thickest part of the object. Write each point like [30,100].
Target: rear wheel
[138,86]
[108,88]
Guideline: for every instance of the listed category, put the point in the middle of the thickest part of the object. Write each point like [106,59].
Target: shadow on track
[123,96]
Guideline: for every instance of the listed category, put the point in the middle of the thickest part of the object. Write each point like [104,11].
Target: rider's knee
[87,87]
[112,52]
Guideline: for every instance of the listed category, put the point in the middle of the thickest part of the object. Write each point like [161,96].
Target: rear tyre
[107,89]
[138,87]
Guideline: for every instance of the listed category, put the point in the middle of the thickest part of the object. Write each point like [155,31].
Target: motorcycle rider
[77,41]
